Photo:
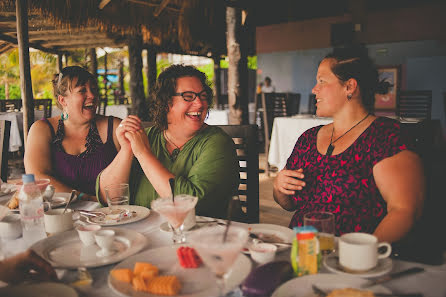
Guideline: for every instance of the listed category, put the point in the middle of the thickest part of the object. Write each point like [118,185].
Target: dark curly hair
[63,81]
[165,88]
[354,62]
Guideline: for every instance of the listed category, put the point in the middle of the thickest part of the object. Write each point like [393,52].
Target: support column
[121,78]
[59,63]
[151,69]
[139,105]
[25,69]
[217,80]
[93,62]
[237,70]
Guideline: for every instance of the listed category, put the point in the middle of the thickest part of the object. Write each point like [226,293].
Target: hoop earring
[64,116]
[349,97]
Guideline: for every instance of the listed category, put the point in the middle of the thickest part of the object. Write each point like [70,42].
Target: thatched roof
[196,26]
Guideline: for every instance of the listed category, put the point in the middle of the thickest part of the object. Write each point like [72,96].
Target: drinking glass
[117,196]
[175,211]
[324,223]
[218,254]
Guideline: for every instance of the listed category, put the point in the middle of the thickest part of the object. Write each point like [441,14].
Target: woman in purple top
[359,167]
[73,149]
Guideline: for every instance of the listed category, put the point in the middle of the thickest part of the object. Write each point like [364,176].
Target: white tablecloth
[119,111]
[431,282]
[286,131]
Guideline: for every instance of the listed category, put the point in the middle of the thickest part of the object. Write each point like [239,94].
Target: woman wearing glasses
[72,149]
[201,158]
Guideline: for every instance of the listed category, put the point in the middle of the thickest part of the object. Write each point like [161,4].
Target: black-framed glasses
[190,96]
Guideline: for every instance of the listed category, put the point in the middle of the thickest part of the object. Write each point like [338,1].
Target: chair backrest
[102,106]
[312,104]
[44,104]
[10,104]
[246,142]
[292,103]
[5,127]
[414,104]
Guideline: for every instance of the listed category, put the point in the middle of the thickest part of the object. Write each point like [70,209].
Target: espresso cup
[11,227]
[87,232]
[359,251]
[57,221]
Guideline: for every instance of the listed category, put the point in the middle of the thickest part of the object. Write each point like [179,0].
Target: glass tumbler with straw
[219,253]
[324,223]
[175,210]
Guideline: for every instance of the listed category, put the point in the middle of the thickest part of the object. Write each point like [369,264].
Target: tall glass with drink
[175,211]
[117,198]
[324,223]
[217,252]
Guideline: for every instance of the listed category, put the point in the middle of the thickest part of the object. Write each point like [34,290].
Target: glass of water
[117,198]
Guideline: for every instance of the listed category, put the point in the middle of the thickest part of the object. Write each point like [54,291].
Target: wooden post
[93,62]
[139,105]
[59,63]
[106,78]
[217,80]
[121,78]
[25,71]
[151,69]
[237,70]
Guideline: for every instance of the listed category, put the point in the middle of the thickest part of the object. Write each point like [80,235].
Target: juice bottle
[305,253]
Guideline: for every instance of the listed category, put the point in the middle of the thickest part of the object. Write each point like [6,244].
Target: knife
[393,276]
[322,293]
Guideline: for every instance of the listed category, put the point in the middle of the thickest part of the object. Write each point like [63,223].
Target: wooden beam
[25,69]
[103,4]
[139,105]
[160,8]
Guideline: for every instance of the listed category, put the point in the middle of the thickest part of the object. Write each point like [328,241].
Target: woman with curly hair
[201,158]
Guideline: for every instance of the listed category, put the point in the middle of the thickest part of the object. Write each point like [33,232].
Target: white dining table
[286,131]
[431,282]
[120,111]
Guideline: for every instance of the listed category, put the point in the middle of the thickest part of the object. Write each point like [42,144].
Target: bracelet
[80,195]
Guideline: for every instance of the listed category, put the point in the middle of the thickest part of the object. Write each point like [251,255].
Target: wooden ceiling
[181,26]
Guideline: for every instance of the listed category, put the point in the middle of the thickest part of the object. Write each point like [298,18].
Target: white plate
[284,233]
[139,213]
[195,282]
[331,262]
[38,290]
[200,222]
[61,199]
[301,286]
[65,250]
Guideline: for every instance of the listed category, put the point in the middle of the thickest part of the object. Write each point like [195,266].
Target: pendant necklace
[177,149]
[331,146]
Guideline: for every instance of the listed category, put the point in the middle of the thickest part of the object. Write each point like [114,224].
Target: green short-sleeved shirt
[206,167]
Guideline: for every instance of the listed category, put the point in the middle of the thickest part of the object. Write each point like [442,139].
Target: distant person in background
[259,88]
[268,87]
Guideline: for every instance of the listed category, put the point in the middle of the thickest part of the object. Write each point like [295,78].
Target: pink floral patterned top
[343,184]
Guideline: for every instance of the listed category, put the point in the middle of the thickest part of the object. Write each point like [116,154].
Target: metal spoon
[73,192]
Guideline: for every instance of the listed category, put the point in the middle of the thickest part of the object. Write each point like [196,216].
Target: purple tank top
[80,171]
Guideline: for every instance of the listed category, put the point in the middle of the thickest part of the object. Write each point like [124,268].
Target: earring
[64,116]
[349,96]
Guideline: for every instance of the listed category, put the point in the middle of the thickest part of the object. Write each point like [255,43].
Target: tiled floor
[270,211]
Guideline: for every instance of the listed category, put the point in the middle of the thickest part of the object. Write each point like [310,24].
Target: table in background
[286,131]
[119,111]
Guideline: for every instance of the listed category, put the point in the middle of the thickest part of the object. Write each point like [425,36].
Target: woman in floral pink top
[360,167]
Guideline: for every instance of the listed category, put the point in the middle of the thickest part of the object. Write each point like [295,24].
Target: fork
[322,293]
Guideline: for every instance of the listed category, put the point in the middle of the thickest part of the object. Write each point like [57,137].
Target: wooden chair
[246,142]
[5,128]
[414,104]
[10,104]
[45,105]
[312,104]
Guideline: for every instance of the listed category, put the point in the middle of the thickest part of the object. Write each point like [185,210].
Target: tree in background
[9,72]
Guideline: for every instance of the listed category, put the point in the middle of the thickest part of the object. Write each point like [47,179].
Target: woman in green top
[201,158]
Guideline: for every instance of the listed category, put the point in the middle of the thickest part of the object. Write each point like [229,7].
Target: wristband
[80,195]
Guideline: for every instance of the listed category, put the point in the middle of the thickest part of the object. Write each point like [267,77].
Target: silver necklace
[331,146]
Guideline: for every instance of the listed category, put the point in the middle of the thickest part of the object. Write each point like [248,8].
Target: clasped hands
[131,136]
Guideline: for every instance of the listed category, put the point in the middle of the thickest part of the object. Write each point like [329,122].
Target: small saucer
[384,266]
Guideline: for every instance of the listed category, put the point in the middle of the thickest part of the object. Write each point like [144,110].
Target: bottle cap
[28,178]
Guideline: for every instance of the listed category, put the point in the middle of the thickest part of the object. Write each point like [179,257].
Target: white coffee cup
[359,251]
[104,239]
[57,221]
[189,221]
[10,226]
[87,232]
[262,253]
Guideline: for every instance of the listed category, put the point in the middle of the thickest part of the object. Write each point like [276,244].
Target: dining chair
[312,104]
[246,143]
[45,105]
[10,104]
[414,104]
[5,128]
